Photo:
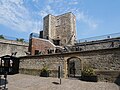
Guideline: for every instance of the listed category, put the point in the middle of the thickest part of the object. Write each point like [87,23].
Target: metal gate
[9,65]
[74,67]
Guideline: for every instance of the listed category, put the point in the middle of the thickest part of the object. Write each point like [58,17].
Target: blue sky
[18,18]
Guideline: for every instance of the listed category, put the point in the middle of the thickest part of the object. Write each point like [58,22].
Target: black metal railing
[108,36]
[36,35]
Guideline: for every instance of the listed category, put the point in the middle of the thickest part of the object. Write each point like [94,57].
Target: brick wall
[42,45]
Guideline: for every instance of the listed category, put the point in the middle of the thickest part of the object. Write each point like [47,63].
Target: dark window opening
[56,42]
[112,44]
[36,52]
[58,51]
[41,34]
[64,40]
[50,51]
[47,37]
[77,48]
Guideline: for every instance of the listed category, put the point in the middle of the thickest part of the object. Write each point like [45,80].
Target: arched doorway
[74,67]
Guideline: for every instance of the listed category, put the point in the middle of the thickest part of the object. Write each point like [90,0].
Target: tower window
[56,42]
[58,22]
[36,52]
[64,40]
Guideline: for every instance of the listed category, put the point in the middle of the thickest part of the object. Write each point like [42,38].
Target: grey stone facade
[96,45]
[60,28]
[7,47]
[101,60]
[34,64]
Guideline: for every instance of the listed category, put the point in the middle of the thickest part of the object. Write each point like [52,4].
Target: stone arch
[73,66]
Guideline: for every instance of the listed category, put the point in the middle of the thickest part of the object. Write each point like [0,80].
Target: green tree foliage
[20,39]
[88,71]
[2,37]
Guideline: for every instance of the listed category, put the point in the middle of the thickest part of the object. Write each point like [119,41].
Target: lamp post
[60,68]
[59,73]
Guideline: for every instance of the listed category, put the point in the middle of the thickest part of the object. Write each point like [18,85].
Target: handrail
[108,36]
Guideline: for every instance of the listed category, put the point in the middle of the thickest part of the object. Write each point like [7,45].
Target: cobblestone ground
[28,82]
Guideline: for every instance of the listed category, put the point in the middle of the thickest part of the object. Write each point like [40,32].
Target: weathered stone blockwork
[7,47]
[61,27]
[100,60]
[36,63]
[105,59]
[96,45]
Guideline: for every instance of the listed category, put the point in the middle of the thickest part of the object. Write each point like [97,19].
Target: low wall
[34,64]
[7,47]
[106,63]
[108,76]
[37,72]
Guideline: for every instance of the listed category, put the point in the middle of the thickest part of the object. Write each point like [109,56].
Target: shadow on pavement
[55,83]
[117,81]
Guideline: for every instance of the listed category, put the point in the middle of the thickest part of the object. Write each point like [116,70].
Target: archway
[74,67]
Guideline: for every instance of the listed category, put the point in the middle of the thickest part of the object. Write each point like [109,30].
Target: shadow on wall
[117,81]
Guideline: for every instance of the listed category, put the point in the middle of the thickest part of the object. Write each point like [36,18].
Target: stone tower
[61,30]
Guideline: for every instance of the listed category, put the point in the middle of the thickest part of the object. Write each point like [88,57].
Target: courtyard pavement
[28,82]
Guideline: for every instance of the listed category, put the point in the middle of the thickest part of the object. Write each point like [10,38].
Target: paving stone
[29,82]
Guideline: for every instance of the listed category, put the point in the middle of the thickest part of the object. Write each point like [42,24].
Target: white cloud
[46,11]
[15,16]
[35,1]
[18,2]
[86,19]
[38,26]
[92,24]
[57,7]
[54,1]
[73,3]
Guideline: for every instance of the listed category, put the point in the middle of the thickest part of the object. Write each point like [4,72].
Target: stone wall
[95,45]
[61,27]
[34,64]
[7,47]
[104,59]
[100,60]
